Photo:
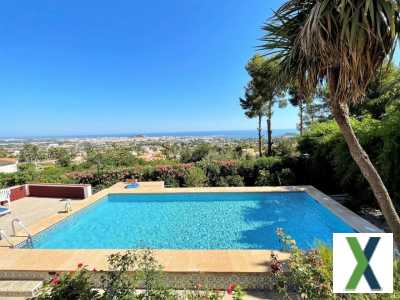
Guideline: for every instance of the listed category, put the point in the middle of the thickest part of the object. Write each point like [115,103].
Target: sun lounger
[5,197]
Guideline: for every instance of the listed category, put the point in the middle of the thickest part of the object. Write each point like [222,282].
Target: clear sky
[93,66]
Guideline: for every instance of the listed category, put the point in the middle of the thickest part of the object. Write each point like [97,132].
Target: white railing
[19,222]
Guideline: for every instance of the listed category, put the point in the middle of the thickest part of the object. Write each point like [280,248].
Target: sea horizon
[235,134]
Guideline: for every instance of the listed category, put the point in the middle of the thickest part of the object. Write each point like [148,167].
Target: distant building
[8,165]
[150,154]
[249,152]
[79,158]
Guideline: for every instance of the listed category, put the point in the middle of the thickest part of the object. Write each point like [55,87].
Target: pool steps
[19,288]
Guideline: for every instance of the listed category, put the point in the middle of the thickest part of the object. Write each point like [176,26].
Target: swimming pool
[234,220]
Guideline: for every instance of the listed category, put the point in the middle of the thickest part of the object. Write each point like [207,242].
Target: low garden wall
[74,191]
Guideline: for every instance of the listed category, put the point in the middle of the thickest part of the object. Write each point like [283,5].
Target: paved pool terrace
[183,267]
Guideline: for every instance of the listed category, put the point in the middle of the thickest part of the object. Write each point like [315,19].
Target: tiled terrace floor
[30,210]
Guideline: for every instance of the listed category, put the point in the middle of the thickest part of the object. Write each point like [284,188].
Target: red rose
[80,265]
[94,270]
[230,289]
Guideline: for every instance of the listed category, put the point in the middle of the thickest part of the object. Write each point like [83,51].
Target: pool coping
[173,261]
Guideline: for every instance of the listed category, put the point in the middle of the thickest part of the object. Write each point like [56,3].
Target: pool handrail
[19,222]
[3,235]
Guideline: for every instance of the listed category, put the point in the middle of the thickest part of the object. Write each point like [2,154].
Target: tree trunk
[259,135]
[301,112]
[340,111]
[269,137]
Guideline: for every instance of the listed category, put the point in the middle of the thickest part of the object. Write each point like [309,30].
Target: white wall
[9,168]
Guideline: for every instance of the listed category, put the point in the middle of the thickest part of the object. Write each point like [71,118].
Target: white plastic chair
[5,196]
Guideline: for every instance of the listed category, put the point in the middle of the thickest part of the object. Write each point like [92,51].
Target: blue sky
[87,67]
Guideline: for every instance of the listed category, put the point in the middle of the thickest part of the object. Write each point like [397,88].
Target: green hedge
[203,173]
[326,162]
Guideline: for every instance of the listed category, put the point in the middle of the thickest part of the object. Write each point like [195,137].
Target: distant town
[46,151]
[49,151]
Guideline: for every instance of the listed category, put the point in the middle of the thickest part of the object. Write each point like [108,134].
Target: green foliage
[286,177]
[195,177]
[210,152]
[235,180]
[121,281]
[308,274]
[118,283]
[52,174]
[62,156]
[382,92]
[70,285]
[268,163]
[3,153]
[116,156]
[317,41]
[330,167]
[127,272]
[389,155]
[284,146]
[31,153]
[198,293]
[264,178]
[212,171]
[198,153]
[262,92]
[28,173]
[203,173]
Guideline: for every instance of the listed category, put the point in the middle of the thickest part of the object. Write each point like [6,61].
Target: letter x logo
[363,268]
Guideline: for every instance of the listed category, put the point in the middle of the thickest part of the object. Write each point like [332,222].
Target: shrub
[228,167]
[389,157]
[118,283]
[235,291]
[308,274]
[286,177]
[330,167]
[227,181]
[127,271]
[195,177]
[71,285]
[264,178]
[271,163]
[235,180]
[105,178]
[247,171]
[212,171]
[198,293]
[285,146]
[205,172]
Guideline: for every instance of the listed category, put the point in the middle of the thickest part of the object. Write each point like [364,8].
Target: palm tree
[342,43]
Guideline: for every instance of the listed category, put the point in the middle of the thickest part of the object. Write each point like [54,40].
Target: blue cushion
[132,185]
[3,209]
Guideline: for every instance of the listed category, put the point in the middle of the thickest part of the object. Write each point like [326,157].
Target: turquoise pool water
[194,221]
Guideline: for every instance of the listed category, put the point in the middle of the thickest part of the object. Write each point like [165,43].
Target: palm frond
[352,37]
